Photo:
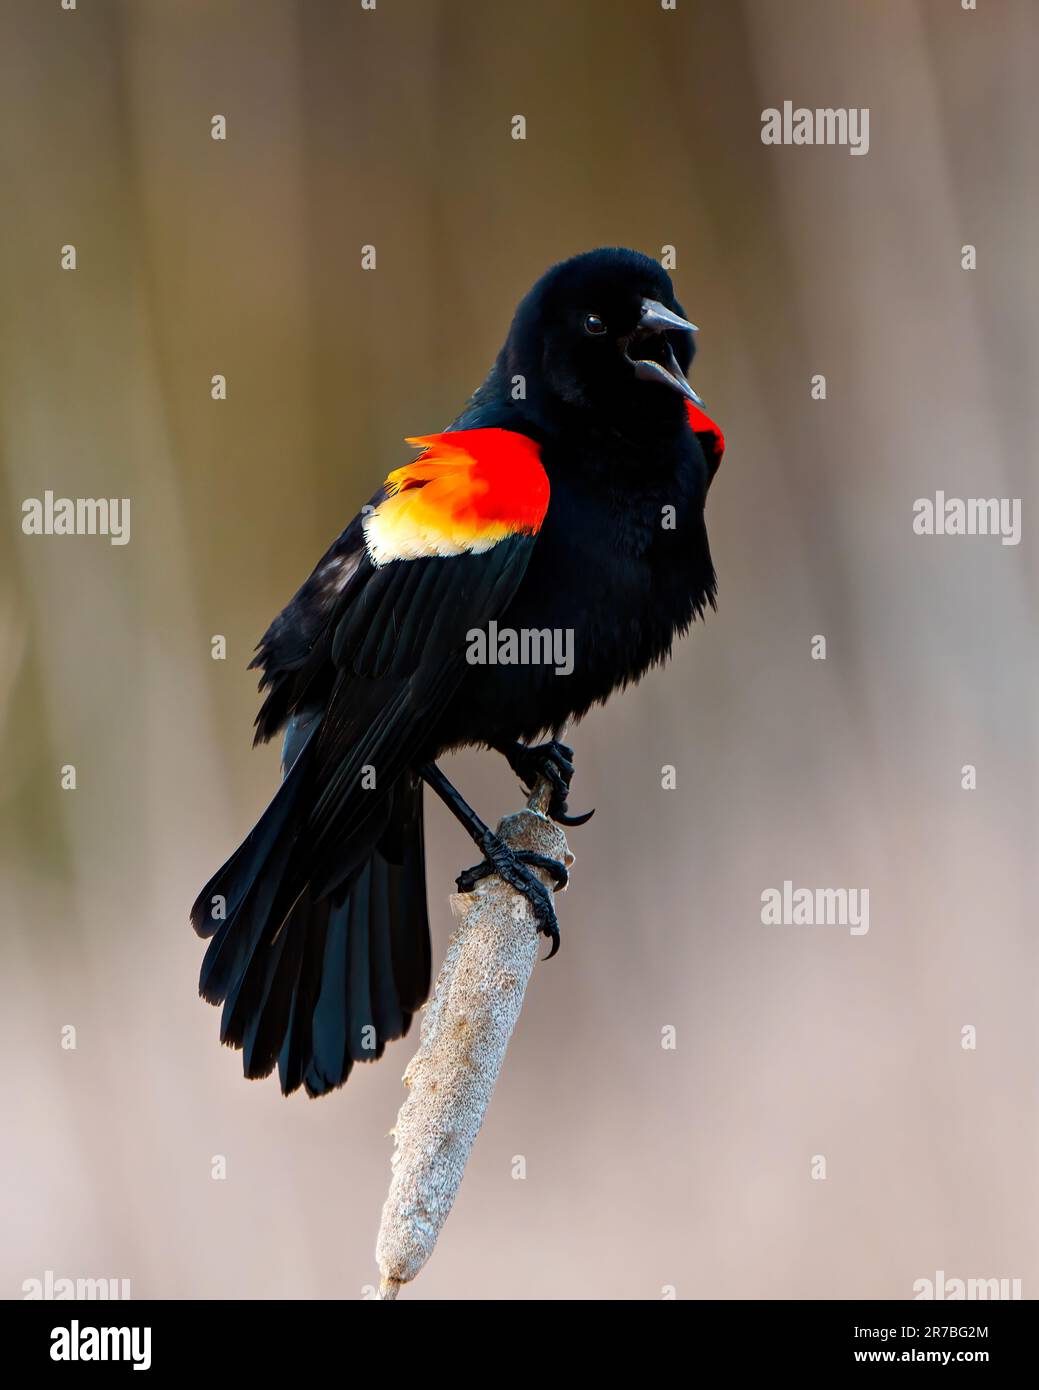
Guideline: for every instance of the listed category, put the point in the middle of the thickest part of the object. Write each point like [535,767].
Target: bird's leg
[514,867]
[555,762]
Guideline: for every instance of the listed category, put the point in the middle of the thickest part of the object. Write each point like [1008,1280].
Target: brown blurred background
[645,1167]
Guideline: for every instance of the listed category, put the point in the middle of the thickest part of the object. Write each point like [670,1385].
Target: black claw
[468,878]
[552,760]
[514,868]
[560,785]
[558,870]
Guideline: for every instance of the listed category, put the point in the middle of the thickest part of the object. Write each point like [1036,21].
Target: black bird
[567,498]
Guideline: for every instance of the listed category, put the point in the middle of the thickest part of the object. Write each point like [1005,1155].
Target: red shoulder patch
[467,490]
[702,424]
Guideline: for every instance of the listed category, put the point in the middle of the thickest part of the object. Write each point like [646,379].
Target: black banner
[158,1338]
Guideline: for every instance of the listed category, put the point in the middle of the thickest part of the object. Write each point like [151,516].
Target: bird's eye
[593,324]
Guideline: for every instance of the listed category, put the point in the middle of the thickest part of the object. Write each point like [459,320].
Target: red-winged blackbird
[568,496]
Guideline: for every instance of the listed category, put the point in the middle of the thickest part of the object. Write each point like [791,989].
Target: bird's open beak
[650,337]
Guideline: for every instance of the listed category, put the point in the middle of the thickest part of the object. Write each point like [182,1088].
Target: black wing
[371,656]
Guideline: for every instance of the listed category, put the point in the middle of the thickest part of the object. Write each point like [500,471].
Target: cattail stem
[465,1032]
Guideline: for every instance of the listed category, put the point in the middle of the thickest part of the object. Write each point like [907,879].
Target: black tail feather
[314,984]
[222,897]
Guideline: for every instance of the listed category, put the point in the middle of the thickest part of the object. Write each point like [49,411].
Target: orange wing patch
[467,490]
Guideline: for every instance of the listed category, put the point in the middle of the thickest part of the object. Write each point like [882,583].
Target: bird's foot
[555,762]
[515,867]
[468,878]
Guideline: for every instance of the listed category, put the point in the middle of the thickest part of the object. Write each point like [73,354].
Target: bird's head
[604,331]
